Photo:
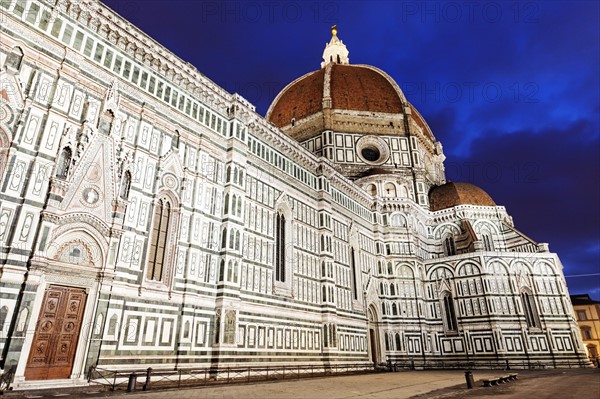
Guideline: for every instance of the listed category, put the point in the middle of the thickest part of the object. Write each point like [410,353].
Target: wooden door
[56,334]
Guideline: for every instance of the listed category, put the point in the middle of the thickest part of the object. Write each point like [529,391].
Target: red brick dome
[346,98]
[453,194]
[347,87]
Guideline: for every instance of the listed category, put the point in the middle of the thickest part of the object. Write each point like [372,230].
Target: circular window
[372,150]
[371,154]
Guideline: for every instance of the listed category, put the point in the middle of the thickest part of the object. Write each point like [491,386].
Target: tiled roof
[583,299]
[362,89]
[351,87]
[452,194]
[301,99]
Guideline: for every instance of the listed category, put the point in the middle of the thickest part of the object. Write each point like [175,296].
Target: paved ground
[555,384]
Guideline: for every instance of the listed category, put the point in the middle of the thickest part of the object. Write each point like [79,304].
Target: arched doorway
[374,345]
[57,335]
[61,324]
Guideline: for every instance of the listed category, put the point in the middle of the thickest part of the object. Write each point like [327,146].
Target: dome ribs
[301,99]
[362,89]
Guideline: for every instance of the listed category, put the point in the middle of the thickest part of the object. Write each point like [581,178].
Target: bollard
[132,382]
[469,379]
[147,383]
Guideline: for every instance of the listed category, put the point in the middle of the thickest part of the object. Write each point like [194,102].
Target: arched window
[449,246]
[125,185]
[98,326]
[224,239]
[392,290]
[112,325]
[226,204]
[230,271]
[450,322]
[398,342]
[488,244]
[75,254]
[394,309]
[232,239]
[158,241]
[64,163]
[222,271]
[390,189]
[238,208]
[398,220]
[333,331]
[353,273]
[217,331]
[586,333]
[283,248]
[387,342]
[229,337]
[186,329]
[531,314]
[280,248]
[372,189]
[14,59]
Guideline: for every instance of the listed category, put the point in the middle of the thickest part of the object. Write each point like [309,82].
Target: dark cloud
[548,181]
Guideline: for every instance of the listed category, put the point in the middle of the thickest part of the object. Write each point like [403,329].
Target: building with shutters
[587,311]
[149,218]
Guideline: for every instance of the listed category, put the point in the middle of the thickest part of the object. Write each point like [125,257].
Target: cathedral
[149,218]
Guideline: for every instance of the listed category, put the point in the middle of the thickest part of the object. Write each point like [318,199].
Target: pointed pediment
[372,296]
[285,205]
[444,285]
[522,279]
[171,171]
[92,185]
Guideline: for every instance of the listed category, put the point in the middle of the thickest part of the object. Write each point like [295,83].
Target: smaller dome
[453,194]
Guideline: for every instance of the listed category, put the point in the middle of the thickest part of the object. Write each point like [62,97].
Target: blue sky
[510,88]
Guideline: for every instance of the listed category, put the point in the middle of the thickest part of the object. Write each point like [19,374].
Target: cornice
[113,28]
[269,133]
